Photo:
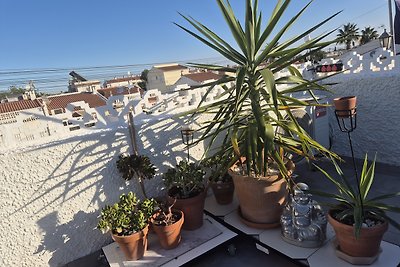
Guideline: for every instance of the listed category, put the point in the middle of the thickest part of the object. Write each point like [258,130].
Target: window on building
[74,128]
[58,111]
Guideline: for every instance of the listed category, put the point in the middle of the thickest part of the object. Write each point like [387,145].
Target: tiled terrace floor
[246,254]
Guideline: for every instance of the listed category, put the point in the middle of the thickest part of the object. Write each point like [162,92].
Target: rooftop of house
[85,82]
[61,101]
[107,92]
[202,76]
[19,105]
[123,79]
[170,67]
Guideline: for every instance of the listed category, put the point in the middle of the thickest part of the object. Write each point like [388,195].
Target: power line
[42,70]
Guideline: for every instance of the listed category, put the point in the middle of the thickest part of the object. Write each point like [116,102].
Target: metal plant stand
[187,139]
[347,121]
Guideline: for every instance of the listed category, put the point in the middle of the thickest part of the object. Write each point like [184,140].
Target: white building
[21,121]
[84,86]
[164,77]
[130,81]
[197,78]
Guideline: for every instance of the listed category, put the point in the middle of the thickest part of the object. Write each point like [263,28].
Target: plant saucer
[354,260]
[257,225]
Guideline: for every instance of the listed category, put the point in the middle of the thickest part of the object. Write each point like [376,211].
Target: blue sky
[77,33]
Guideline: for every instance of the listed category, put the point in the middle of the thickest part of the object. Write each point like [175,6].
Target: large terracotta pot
[223,192]
[345,106]
[261,200]
[192,208]
[133,246]
[368,243]
[170,235]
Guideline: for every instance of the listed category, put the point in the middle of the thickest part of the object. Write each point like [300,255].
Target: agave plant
[354,207]
[248,113]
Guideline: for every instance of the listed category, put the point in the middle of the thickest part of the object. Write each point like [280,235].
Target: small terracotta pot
[345,106]
[133,246]
[223,192]
[170,235]
[192,208]
[367,244]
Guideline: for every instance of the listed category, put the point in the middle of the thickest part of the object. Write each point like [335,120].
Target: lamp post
[385,40]
[187,137]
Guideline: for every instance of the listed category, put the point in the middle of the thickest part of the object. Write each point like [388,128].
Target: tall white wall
[51,196]
[378,127]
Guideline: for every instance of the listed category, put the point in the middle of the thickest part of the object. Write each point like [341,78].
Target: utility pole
[391,27]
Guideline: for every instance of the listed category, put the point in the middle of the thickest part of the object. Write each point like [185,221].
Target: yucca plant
[249,112]
[353,206]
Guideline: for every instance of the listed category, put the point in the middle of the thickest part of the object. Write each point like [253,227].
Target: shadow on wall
[160,139]
[57,239]
[81,178]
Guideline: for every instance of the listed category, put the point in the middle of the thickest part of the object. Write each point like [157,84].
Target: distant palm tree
[348,34]
[368,34]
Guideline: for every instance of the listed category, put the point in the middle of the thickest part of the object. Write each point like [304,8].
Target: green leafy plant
[248,113]
[127,216]
[217,167]
[185,180]
[354,206]
[138,166]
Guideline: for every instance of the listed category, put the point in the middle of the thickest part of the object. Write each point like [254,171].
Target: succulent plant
[127,216]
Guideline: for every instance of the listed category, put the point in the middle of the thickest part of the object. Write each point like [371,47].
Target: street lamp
[385,40]
[187,137]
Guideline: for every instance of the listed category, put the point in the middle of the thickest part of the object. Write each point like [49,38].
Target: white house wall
[156,80]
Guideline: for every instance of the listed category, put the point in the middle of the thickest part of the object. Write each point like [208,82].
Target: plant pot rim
[331,219]
[177,198]
[174,211]
[142,231]
[290,166]
[344,98]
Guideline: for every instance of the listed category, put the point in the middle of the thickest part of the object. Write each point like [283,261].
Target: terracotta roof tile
[19,105]
[107,92]
[203,76]
[61,101]
[171,67]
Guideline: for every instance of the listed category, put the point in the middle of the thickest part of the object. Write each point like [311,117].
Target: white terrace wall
[51,196]
[376,83]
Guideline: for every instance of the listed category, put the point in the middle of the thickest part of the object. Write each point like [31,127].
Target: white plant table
[313,257]
[193,244]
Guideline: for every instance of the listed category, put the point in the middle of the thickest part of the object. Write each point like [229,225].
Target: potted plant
[248,113]
[345,106]
[220,181]
[167,224]
[186,184]
[138,166]
[128,221]
[359,221]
